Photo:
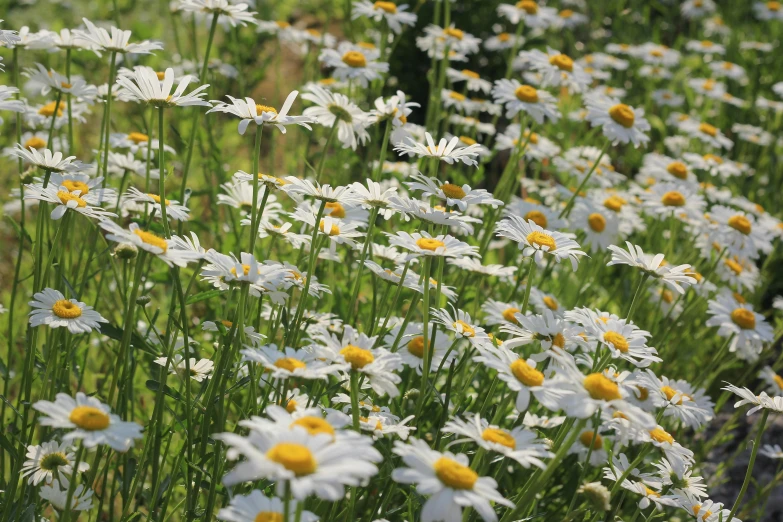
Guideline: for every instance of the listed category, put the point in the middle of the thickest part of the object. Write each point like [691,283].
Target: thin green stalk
[162,175]
[749,473]
[570,205]
[357,280]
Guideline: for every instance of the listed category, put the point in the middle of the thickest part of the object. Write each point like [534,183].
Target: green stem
[749,473]
[570,205]
[162,176]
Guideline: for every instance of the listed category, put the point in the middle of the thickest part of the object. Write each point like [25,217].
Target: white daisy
[144,85]
[249,111]
[291,363]
[50,307]
[49,460]
[336,109]
[170,251]
[91,421]
[620,123]
[444,151]
[354,63]
[516,97]
[537,242]
[255,506]
[394,15]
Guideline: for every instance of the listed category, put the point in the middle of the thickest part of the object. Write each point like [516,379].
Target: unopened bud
[126,251]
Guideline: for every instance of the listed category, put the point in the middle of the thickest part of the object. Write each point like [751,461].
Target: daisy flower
[519,444]
[530,209]
[693,9]
[705,47]
[174,210]
[521,376]
[310,464]
[497,312]
[461,324]
[474,265]
[680,400]
[473,81]
[394,15]
[620,123]
[537,242]
[772,451]
[759,402]
[57,495]
[199,370]
[412,350]
[290,363]
[664,200]
[7,103]
[114,40]
[144,85]
[528,11]
[712,165]
[600,225]
[667,98]
[354,63]
[355,349]
[423,244]
[228,12]
[437,40]
[773,381]
[586,440]
[170,251]
[65,200]
[516,97]
[449,481]
[455,195]
[737,320]
[768,11]
[503,41]
[247,110]
[47,160]
[706,133]
[50,307]
[664,168]
[739,231]
[672,276]
[557,69]
[336,109]
[90,420]
[444,151]
[48,460]
[548,329]
[625,341]
[257,507]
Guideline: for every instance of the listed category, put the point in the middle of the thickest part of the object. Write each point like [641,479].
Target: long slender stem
[749,473]
[162,174]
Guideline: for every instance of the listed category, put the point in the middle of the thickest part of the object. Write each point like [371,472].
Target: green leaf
[155,386]
[203,296]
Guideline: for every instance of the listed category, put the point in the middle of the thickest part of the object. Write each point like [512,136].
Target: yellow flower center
[282,24]
[778,380]
[541,239]
[537,217]
[551,303]
[714,158]
[52,461]
[89,418]
[740,223]
[773,6]
[566,13]
[454,475]
[558,340]
[265,108]
[416,346]
[670,393]
[245,270]
[35,143]
[504,37]
[334,231]
[157,199]
[526,93]
[76,185]
[48,109]
[296,458]
[389,7]
[138,137]
[470,74]
[467,330]
[697,507]
[354,59]
[152,239]
[65,197]
[454,33]
[268,516]
[744,318]
[289,363]
[738,298]
[562,62]
[622,114]
[528,6]
[429,243]
[614,203]
[677,169]
[456,96]
[659,435]
[733,266]
[335,209]
[618,340]
[526,374]
[601,387]
[644,393]
[499,436]
[673,199]
[667,296]
[357,357]
[314,425]
[589,437]
[290,406]
[452,191]
[508,315]
[467,141]
[706,128]
[597,222]
[65,309]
